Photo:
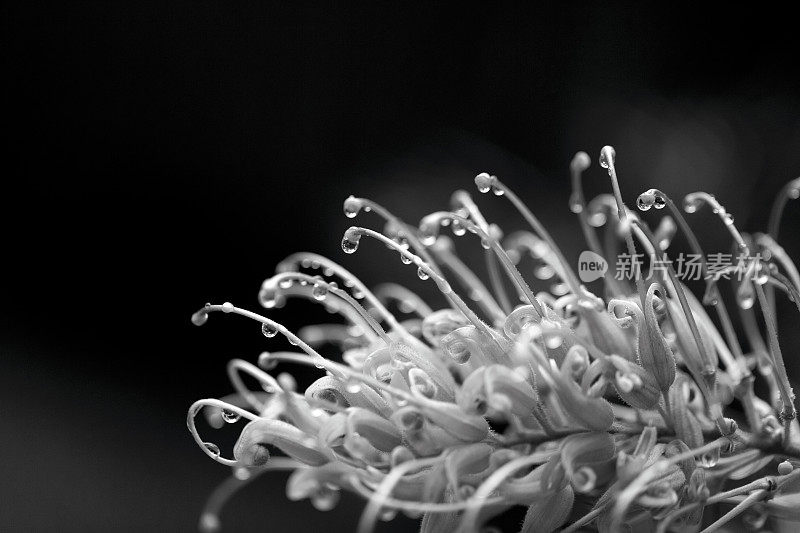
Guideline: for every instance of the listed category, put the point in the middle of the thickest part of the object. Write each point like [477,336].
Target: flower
[591,411]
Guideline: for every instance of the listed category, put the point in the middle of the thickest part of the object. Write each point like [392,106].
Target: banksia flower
[628,409]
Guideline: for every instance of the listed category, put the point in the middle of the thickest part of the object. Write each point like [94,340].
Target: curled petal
[471,396]
[607,335]
[593,413]
[381,433]
[466,460]
[333,431]
[635,385]
[439,323]
[251,447]
[508,391]
[448,416]
[687,427]
[549,513]
[518,319]
[586,449]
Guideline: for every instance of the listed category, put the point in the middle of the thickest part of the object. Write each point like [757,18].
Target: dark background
[159,156]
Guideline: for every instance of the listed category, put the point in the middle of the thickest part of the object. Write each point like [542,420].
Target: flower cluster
[631,410]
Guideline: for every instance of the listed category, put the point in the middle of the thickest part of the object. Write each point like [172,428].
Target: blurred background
[160,155]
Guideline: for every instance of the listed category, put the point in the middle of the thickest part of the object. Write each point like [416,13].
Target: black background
[158,156]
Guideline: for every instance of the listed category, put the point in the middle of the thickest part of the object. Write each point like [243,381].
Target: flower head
[540,399]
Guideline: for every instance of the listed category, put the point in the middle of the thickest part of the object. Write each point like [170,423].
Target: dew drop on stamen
[231,417]
[324,499]
[458,228]
[485,244]
[785,468]
[710,458]
[553,341]
[212,448]
[285,283]
[349,246]
[387,515]
[728,219]
[209,523]
[351,207]
[644,202]
[745,301]
[268,330]
[199,318]
[405,259]
[793,193]
[543,272]
[227,307]
[575,204]
[328,272]
[484,182]
[352,385]
[498,191]
[559,289]
[422,274]
[659,202]
[607,157]
[319,292]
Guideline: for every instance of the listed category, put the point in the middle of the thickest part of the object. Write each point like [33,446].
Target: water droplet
[428,233]
[644,202]
[485,244]
[575,204]
[793,193]
[285,283]
[227,307]
[319,292]
[352,206]
[728,219]
[352,385]
[325,499]
[422,274]
[387,515]
[199,318]
[405,259]
[785,468]
[543,272]
[607,157]
[559,289]
[458,228]
[659,201]
[269,330]
[745,301]
[231,417]
[710,458]
[242,473]
[212,448]
[349,246]
[209,523]
[328,272]
[484,182]
[498,191]
[553,341]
